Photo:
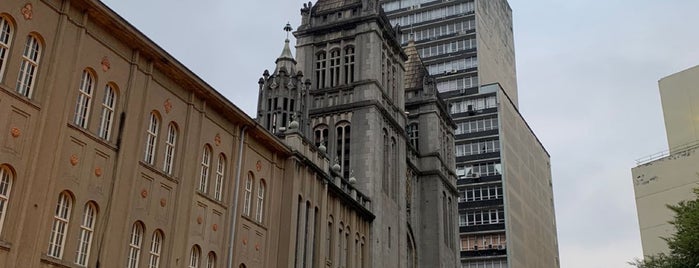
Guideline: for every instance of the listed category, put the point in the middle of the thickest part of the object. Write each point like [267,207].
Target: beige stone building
[668,177]
[116,155]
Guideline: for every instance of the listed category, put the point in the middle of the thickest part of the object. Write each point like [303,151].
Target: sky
[587,75]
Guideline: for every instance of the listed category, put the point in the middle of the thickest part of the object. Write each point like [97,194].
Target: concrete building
[467,45]
[668,177]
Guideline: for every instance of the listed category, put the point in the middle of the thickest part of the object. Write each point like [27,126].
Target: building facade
[668,177]
[468,46]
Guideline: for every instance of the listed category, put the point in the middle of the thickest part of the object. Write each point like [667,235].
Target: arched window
[107,115]
[5,42]
[151,137]
[385,166]
[135,245]
[334,67]
[6,179]
[321,66]
[155,249]
[329,239]
[205,164]
[87,228]
[320,134]
[220,171]
[170,144]
[29,66]
[394,168]
[347,245]
[340,244]
[343,148]
[82,105]
[60,225]
[349,65]
[194,257]
[211,260]
[260,201]
[248,195]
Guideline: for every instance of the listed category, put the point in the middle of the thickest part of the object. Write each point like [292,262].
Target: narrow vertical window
[205,164]
[155,249]
[413,135]
[151,137]
[107,115]
[5,188]
[135,245]
[349,65]
[211,260]
[29,66]
[321,65]
[87,228]
[170,143]
[60,226]
[220,171]
[384,181]
[260,201]
[194,257]
[334,68]
[343,148]
[5,42]
[248,196]
[82,105]
[329,240]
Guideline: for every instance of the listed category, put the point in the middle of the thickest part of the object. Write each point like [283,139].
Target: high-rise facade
[506,212]
[668,177]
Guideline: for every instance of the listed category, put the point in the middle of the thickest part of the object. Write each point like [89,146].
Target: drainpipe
[234,202]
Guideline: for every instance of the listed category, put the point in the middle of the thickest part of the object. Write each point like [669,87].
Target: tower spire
[286,59]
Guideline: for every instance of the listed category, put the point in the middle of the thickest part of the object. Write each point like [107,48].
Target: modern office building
[668,177]
[506,212]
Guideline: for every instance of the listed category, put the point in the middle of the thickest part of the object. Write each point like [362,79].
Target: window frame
[83,103]
[220,173]
[59,228]
[109,101]
[6,36]
[31,57]
[205,169]
[151,137]
[247,201]
[6,181]
[170,148]
[135,245]
[260,204]
[156,247]
[87,230]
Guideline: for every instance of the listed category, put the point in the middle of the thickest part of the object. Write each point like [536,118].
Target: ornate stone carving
[168,106]
[214,227]
[27,11]
[258,165]
[106,65]
[217,139]
[98,171]
[163,202]
[257,247]
[245,241]
[199,220]
[15,132]
[144,193]
[73,160]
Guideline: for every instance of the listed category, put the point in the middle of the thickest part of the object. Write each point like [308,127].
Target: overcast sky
[587,76]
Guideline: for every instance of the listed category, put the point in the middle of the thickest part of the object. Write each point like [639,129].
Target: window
[386,165]
[476,125]
[479,170]
[485,217]
[321,66]
[135,245]
[211,260]
[483,192]
[155,249]
[483,242]
[82,107]
[478,147]
[469,105]
[151,137]
[334,68]
[220,170]
[248,195]
[349,65]
[329,239]
[260,201]
[321,135]
[29,66]
[205,164]
[170,143]
[343,148]
[413,135]
[87,228]
[107,115]
[60,226]
[5,42]
[6,179]
[194,257]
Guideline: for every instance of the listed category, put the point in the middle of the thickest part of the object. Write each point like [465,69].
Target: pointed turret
[286,61]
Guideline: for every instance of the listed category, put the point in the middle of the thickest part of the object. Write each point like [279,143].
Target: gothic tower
[350,52]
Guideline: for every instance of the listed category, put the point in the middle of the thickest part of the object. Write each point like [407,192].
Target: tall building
[668,177]
[353,92]
[506,212]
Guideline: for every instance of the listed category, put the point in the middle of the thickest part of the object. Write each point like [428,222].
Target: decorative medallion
[217,139]
[257,247]
[106,65]
[15,132]
[258,165]
[168,106]
[163,202]
[27,11]
[214,227]
[199,220]
[98,172]
[144,193]
[73,160]
[245,241]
